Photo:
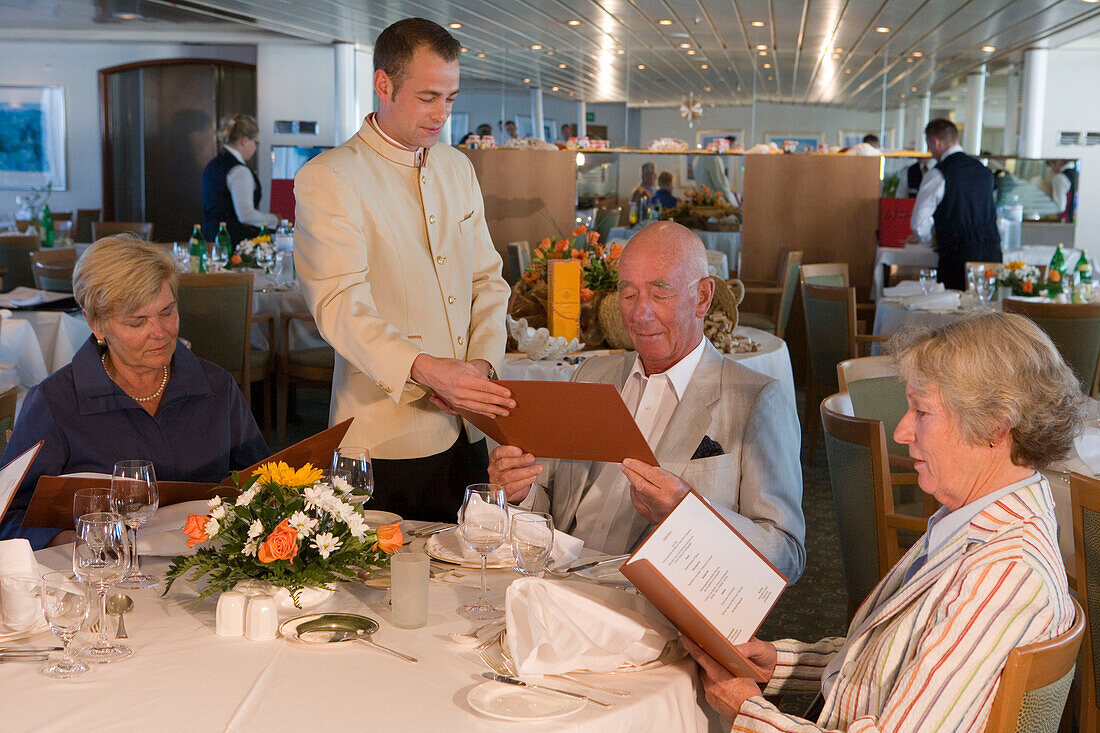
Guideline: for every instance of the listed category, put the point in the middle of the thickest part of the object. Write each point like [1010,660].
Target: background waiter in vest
[230,188]
[955,199]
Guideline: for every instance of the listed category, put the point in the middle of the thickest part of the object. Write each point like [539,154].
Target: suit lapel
[692,416]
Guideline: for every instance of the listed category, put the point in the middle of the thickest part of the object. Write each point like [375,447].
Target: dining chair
[312,367]
[831,337]
[863,498]
[606,220]
[61,216]
[836,275]
[216,318]
[894,274]
[519,257]
[53,269]
[1075,330]
[782,291]
[142,229]
[1085,503]
[15,251]
[82,227]
[1035,682]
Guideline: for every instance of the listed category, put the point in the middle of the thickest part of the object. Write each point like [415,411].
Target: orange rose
[586,295]
[1027,286]
[389,538]
[581,229]
[593,237]
[235,259]
[195,529]
[616,252]
[281,544]
[561,246]
[545,244]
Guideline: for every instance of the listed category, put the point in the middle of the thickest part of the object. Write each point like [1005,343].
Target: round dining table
[183,677]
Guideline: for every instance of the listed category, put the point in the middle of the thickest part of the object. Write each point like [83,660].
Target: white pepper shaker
[230,615]
[262,618]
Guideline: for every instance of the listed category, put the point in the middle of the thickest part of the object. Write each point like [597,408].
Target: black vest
[914,174]
[966,219]
[1071,196]
[217,202]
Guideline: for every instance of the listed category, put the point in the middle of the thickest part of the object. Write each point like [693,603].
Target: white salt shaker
[230,615]
[262,618]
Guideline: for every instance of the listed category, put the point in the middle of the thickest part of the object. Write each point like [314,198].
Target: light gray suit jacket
[757,481]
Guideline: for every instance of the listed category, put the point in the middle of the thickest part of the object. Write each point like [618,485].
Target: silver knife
[513,681]
[29,649]
[23,658]
[594,563]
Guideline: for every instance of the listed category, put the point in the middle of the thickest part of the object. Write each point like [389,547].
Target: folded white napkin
[1088,449]
[559,626]
[18,610]
[162,535]
[935,301]
[902,289]
[36,299]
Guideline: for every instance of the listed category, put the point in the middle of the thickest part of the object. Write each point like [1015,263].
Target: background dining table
[182,677]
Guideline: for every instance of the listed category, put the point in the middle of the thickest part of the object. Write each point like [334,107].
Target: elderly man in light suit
[396,263]
[719,428]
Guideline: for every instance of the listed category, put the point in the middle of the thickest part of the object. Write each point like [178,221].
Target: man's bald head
[674,244]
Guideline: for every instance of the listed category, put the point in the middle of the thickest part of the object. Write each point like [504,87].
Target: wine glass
[99,560]
[181,251]
[134,484]
[987,286]
[483,520]
[219,255]
[65,606]
[91,501]
[352,464]
[532,541]
[928,280]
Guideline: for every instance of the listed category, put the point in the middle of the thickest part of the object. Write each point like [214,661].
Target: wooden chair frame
[1033,667]
[57,263]
[777,290]
[1059,310]
[287,370]
[1085,494]
[824,269]
[143,229]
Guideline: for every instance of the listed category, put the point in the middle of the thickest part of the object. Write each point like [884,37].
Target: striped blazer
[927,654]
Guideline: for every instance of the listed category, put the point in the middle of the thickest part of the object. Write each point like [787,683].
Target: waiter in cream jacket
[396,263]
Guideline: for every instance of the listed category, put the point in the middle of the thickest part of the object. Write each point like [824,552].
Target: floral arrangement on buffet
[697,205]
[1021,277]
[528,143]
[256,252]
[668,145]
[288,528]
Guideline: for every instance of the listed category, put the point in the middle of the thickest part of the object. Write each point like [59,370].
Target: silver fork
[504,666]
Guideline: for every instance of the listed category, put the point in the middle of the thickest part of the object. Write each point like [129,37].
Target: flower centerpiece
[599,277]
[287,528]
[1021,277]
[697,205]
[256,252]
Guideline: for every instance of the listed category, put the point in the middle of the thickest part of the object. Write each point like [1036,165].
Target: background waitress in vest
[955,199]
[230,188]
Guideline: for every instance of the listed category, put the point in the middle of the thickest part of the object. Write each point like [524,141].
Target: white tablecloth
[922,256]
[265,299]
[890,315]
[773,359]
[184,678]
[727,242]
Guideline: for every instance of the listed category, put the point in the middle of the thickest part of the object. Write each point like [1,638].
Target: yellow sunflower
[283,475]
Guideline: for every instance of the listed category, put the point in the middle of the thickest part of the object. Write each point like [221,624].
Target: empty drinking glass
[928,280]
[65,606]
[91,501]
[532,541]
[483,520]
[987,287]
[352,465]
[181,252]
[136,498]
[100,559]
[219,255]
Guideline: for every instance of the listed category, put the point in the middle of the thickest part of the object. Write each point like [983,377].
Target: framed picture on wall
[807,141]
[848,138]
[32,137]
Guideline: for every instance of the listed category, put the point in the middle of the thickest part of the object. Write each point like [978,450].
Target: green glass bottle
[45,224]
[264,232]
[1056,273]
[198,250]
[1084,269]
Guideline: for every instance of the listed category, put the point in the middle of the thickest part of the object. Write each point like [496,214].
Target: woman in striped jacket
[990,401]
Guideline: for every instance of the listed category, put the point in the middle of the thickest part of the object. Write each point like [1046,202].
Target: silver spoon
[119,605]
[364,636]
[472,637]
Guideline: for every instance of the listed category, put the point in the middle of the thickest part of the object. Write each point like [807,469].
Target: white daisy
[212,527]
[326,544]
[218,512]
[341,484]
[246,498]
[302,522]
[357,525]
[255,529]
[250,548]
[216,501]
[318,496]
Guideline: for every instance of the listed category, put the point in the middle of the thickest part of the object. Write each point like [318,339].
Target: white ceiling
[814,51]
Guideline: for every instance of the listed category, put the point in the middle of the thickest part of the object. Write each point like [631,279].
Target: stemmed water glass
[928,280]
[65,606]
[219,255]
[483,520]
[532,542]
[353,466]
[136,498]
[986,286]
[91,501]
[100,560]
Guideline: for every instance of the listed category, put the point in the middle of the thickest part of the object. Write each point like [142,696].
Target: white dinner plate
[510,702]
[376,518]
[450,547]
[39,627]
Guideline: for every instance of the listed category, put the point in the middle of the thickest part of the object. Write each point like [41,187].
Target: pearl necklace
[150,398]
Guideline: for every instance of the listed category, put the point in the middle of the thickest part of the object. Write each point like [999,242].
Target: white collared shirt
[242,187]
[929,197]
[605,514]
[382,133]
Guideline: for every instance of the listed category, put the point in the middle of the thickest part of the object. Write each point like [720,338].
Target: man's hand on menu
[654,491]
[514,470]
[725,693]
[460,384]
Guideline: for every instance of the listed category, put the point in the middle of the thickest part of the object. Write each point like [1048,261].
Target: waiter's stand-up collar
[398,153]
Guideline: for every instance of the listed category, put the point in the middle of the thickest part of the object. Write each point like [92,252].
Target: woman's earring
[992,444]
[101,342]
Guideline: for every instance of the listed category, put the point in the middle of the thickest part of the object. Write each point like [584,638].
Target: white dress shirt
[382,133]
[1060,186]
[903,191]
[604,517]
[928,198]
[242,187]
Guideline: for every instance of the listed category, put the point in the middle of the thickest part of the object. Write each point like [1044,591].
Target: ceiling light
[902,95]
[917,54]
[561,66]
[757,24]
[882,29]
[465,50]
[836,55]
[761,47]
[685,45]
[574,22]
[553,89]
[989,49]
[536,47]
[455,25]
[847,71]
[121,15]
[641,67]
[706,89]
[762,53]
[691,52]
[909,60]
[549,53]
[704,66]
[526,81]
[621,51]
[769,78]
[664,21]
[838,49]
[481,55]
[767,66]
